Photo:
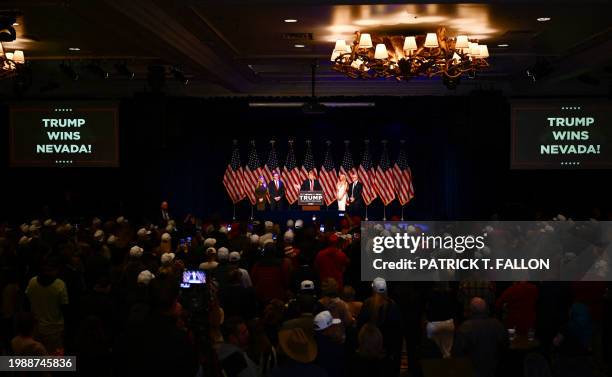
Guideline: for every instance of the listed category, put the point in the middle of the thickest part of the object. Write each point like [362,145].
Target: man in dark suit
[311,183]
[276,189]
[355,200]
[164,214]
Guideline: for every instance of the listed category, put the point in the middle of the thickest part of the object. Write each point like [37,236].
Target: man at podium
[311,183]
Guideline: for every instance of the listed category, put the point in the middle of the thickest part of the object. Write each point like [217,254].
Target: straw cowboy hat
[297,341]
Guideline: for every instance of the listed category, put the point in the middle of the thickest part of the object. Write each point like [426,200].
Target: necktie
[353,189]
[311,185]
[276,184]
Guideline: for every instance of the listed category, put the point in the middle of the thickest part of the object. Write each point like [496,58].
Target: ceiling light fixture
[433,54]
[503,45]
[299,46]
[543,19]
[74,49]
[290,20]
[15,23]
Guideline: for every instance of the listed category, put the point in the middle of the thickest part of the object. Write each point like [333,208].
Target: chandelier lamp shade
[10,62]
[402,58]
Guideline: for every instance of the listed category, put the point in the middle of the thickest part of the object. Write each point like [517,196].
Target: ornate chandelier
[10,62]
[429,55]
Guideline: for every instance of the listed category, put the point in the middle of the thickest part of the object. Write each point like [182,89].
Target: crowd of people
[278,300]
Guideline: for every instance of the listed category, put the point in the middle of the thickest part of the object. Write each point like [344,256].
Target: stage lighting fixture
[70,72]
[123,70]
[179,75]
[97,70]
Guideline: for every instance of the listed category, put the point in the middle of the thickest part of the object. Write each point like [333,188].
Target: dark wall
[178,148]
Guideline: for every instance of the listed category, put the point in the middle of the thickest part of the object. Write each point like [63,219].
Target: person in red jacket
[270,276]
[518,303]
[331,262]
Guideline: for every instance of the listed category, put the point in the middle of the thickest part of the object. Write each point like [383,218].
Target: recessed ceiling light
[503,45]
[543,19]
[74,49]
[299,46]
[15,23]
[290,20]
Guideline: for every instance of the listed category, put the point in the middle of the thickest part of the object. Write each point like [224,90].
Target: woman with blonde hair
[342,192]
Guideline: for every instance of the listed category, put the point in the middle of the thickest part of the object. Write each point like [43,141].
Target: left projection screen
[64,134]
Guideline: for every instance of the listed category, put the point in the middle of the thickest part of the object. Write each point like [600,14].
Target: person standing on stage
[276,189]
[311,183]
[261,194]
[341,192]
[355,200]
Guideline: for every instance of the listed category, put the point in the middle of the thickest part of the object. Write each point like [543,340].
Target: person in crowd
[355,190]
[261,350]
[440,312]
[297,343]
[342,192]
[381,311]
[48,298]
[482,339]
[245,278]
[24,343]
[164,214]
[269,276]
[354,306]
[369,360]
[518,304]
[276,190]
[331,354]
[232,352]
[471,288]
[290,251]
[339,309]
[210,264]
[235,299]
[261,194]
[331,262]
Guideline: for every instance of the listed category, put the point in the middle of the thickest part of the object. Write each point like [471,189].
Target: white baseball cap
[136,251]
[307,285]
[299,223]
[379,285]
[145,277]
[143,232]
[234,256]
[223,253]
[290,223]
[209,242]
[167,258]
[324,320]
[166,237]
[99,235]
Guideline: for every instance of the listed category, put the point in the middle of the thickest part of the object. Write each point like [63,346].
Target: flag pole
[251,212]
[385,212]
[402,213]
[366,217]
[234,215]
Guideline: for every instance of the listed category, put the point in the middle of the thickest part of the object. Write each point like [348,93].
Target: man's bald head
[478,306]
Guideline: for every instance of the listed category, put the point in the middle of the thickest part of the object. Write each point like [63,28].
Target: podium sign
[310,198]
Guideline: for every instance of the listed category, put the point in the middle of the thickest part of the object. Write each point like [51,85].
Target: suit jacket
[356,194]
[306,185]
[274,192]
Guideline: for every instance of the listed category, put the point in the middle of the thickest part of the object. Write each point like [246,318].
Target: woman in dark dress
[261,194]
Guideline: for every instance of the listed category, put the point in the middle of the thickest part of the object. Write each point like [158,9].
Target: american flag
[384,182]
[328,177]
[367,175]
[403,178]
[272,165]
[233,179]
[252,172]
[347,166]
[291,175]
[308,164]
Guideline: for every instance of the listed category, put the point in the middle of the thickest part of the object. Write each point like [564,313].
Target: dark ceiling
[245,47]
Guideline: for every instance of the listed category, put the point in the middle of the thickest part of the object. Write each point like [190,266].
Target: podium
[310,200]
